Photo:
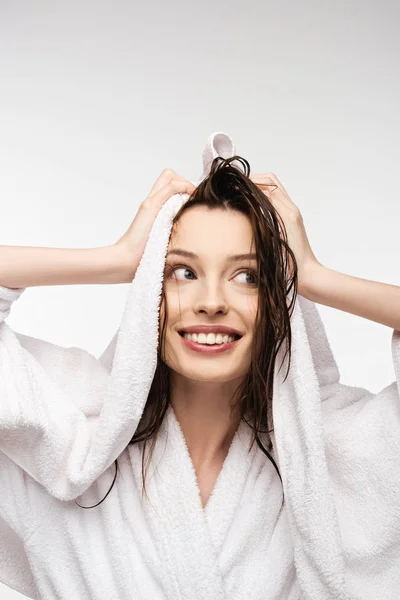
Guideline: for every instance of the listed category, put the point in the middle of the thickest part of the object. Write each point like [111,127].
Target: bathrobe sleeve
[50,402]
[362,441]
[16,499]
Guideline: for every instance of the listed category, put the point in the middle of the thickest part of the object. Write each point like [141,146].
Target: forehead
[206,231]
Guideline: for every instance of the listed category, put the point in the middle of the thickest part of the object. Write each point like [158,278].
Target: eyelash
[251,271]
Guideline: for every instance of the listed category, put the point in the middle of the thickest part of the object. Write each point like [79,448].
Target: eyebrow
[230,258]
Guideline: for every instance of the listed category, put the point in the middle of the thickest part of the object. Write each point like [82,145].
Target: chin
[218,368]
[209,373]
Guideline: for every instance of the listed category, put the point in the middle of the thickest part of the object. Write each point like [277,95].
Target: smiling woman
[213,312]
[226,271]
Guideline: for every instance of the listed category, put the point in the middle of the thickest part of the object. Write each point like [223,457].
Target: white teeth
[211,338]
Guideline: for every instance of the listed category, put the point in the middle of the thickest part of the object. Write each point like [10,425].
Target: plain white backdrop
[96,98]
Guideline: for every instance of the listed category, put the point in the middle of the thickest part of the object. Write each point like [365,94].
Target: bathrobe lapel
[298,423]
[188,537]
[222,505]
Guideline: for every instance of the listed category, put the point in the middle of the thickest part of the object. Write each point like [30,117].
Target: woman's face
[210,288]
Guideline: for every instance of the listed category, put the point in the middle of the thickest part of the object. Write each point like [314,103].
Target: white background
[97,98]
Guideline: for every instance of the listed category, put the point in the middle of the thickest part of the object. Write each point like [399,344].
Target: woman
[194,508]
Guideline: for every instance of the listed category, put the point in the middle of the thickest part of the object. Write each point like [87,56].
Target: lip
[211,329]
[208,349]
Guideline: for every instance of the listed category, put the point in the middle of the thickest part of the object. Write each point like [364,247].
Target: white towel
[65,416]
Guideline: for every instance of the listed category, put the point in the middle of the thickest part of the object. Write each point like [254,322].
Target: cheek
[169,314]
[248,311]
[176,303]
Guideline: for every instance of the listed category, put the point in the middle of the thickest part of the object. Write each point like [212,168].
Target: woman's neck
[203,410]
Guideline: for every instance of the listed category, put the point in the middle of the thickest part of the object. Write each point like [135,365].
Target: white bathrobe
[65,416]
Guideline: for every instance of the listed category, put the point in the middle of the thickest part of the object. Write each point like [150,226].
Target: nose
[211,300]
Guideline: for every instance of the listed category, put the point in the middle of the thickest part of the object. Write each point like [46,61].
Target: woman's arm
[24,266]
[379,302]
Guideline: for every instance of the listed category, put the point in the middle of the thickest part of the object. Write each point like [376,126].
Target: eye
[175,270]
[252,274]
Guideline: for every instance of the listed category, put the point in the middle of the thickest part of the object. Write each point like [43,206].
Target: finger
[271,189]
[174,186]
[273,179]
[266,182]
[162,180]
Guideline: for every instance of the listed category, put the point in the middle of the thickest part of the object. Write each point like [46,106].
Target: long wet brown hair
[229,187]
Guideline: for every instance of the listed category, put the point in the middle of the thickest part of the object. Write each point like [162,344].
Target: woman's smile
[208,348]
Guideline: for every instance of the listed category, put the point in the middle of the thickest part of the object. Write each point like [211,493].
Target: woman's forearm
[24,266]
[379,302]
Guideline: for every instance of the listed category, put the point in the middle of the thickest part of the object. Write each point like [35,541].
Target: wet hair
[229,187]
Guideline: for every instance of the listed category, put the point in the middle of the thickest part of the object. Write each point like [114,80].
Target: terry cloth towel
[65,416]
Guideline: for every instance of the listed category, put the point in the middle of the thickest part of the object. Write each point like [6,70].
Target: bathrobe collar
[188,536]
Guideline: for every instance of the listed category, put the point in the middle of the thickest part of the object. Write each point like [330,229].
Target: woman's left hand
[293,220]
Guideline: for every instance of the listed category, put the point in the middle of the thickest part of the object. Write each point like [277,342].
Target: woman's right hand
[133,242]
